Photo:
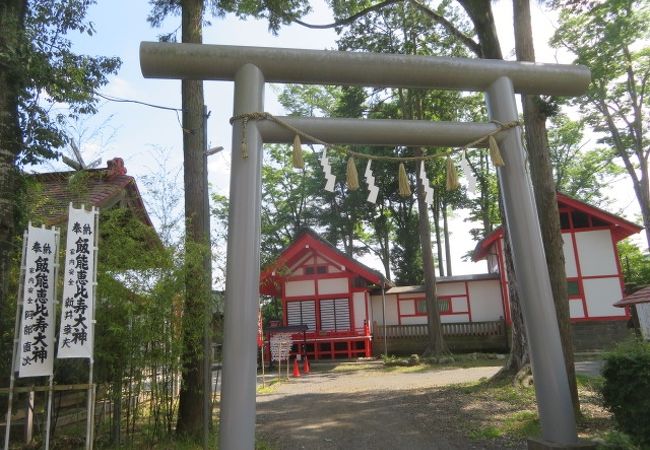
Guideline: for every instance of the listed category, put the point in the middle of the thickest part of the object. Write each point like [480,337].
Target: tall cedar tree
[541,172]
[198,281]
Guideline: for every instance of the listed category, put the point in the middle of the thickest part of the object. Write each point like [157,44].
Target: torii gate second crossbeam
[251,67]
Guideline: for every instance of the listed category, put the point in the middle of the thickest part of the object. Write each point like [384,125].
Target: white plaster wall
[359,305]
[297,269]
[576,310]
[299,288]
[601,294]
[485,300]
[333,286]
[407,308]
[459,304]
[447,289]
[596,253]
[391,309]
[492,260]
[375,310]
[569,256]
[454,318]
[414,320]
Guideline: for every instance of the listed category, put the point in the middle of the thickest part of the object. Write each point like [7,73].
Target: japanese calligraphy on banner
[75,334]
[37,321]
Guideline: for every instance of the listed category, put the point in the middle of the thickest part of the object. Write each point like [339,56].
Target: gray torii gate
[251,67]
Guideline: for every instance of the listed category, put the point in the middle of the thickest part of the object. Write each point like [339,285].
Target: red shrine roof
[308,240]
[640,296]
[620,227]
[102,188]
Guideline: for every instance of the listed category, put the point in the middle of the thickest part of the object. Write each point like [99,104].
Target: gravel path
[370,409]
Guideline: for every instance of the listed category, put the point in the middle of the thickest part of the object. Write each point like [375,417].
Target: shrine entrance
[251,67]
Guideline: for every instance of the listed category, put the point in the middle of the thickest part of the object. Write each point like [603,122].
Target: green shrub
[627,389]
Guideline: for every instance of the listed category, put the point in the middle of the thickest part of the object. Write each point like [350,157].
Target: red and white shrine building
[594,276]
[347,307]
[327,291]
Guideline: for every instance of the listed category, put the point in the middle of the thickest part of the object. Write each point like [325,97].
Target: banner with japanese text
[37,322]
[75,334]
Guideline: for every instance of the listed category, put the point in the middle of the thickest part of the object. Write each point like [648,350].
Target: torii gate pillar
[237,429]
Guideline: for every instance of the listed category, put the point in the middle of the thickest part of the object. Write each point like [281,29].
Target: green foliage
[44,70]
[580,173]
[612,40]
[626,391]
[635,265]
[277,12]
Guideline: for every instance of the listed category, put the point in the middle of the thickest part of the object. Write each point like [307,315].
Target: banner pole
[90,420]
[48,423]
[19,309]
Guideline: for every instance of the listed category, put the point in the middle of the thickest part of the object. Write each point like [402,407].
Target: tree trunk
[197,264]
[519,355]
[436,226]
[436,345]
[541,172]
[480,12]
[483,20]
[445,228]
[12,14]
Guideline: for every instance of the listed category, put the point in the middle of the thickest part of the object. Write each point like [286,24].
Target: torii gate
[251,67]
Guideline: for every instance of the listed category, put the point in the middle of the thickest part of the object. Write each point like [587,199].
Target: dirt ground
[376,409]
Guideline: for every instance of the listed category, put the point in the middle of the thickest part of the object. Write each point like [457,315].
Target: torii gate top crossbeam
[285,65]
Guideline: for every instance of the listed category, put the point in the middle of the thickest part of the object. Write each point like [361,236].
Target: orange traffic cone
[305,365]
[296,370]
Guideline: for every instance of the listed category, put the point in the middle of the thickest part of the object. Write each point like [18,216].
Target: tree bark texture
[519,355]
[12,14]
[483,20]
[445,227]
[436,225]
[541,171]
[436,345]
[197,281]
[480,12]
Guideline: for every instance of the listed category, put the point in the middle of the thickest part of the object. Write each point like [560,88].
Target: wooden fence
[460,337]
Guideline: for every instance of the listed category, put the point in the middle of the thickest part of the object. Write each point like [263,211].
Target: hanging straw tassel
[244,149]
[495,153]
[352,175]
[404,187]
[452,176]
[298,162]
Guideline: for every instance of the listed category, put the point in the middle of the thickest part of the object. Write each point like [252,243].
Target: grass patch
[414,363]
[485,433]
[522,424]
[352,367]
[270,388]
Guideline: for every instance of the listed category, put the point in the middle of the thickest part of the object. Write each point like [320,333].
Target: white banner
[75,334]
[37,323]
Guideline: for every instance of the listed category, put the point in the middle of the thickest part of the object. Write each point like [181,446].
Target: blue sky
[144,136]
